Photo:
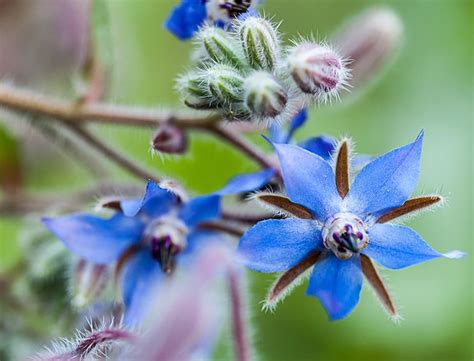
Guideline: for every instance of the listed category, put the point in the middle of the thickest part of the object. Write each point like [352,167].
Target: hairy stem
[239,328]
[22,100]
[75,112]
[111,153]
[242,145]
[23,203]
[70,145]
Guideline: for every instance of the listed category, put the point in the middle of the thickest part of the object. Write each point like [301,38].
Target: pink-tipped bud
[317,70]
[370,40]
[169,139]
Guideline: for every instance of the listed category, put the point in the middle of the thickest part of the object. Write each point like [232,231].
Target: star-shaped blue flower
[146,237]
[339,227]
[187,17]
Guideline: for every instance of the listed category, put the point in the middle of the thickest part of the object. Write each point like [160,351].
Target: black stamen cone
[349,240]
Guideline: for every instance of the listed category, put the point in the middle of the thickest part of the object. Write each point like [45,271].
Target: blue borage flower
[146,238]
[323,146]
[339,229]
[186,18]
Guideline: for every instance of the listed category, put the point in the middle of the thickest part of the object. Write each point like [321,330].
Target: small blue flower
[147,237]
[186,18]
[338,228]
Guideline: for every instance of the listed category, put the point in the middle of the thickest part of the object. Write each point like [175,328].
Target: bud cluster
[246,74]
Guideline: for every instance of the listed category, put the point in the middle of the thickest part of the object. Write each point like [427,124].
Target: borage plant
[168,252]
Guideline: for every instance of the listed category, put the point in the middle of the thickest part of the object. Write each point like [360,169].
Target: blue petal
[299,119]
[323,146]
[155,202]
[186,18]
[278,134]
[360,161]
[337,284]
[200,209]
[96,239]
[199,239]
[276,245]
[387,182]
[395,247]
[141,277]
[247,182]
[309,180]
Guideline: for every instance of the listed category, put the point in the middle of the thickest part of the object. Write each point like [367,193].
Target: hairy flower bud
[260,41]
[224,83]
[194,90]
[169,139]
[264,96]
[219,46]
[212,87]
[370,40]
[317,70]
[88,282]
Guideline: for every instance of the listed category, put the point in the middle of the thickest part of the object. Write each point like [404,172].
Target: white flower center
[166,237]
[344,234]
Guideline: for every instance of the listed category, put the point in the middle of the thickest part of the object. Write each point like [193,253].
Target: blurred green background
[429,86]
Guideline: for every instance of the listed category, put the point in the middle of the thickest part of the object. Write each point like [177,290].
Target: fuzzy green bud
[219,46]
[260,41]
[212,87]
[224,83]
[264,95]
[194,90]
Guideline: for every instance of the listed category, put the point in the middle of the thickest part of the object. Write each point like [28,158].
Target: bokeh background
[428,86]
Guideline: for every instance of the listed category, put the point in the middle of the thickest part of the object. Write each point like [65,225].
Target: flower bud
[224,84]
[317,70]
[212,87]
[218,46]
[88,282]
[169,139]
[260,41]
[194,90]
[264,96]
[370,40]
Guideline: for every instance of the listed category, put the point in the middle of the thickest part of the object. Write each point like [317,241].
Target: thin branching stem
[73,112]
[242,144]
[246,218]
[22,100]
[22,203]
[239,327]
[70,145]
[112,154]
[223,227]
